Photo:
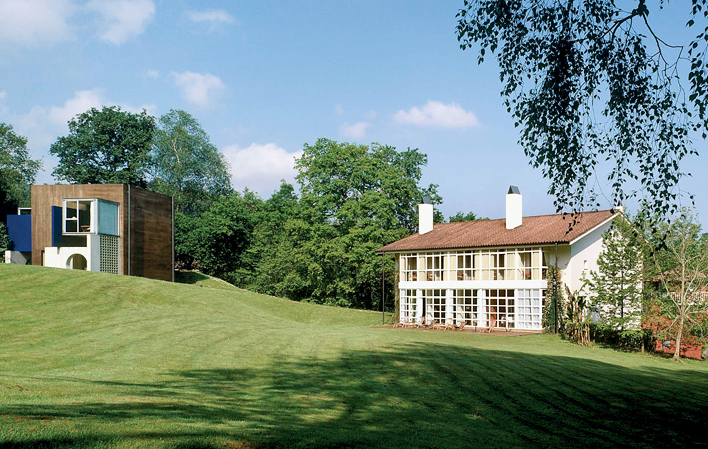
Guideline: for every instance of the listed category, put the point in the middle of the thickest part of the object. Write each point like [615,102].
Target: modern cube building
[113,228]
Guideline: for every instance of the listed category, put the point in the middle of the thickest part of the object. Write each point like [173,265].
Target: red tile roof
[536,230]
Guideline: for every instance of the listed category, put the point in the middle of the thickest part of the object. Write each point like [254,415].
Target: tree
[587,81]
[185,164]
[355,199]
[106,146]
[460,216]
[617,285]
[17,170]
[685,284]
[218,238]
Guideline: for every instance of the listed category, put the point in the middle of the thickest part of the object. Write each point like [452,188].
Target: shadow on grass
[414,396]
[190,277]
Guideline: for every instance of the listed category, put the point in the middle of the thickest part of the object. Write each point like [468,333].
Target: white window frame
[93,214]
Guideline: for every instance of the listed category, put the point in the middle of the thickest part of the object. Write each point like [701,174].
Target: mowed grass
[100,361]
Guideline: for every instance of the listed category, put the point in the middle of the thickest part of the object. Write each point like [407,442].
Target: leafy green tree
[106,146]
[4,241]
[218,238]
[355,198]
[17,171]
[185,164]
[277,261]
[590,81]
[617,285]
[460,216]
[684,282]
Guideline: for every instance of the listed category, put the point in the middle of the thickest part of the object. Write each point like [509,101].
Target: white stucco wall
[587,248]
[58,257]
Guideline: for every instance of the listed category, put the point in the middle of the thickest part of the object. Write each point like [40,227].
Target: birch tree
[685,301]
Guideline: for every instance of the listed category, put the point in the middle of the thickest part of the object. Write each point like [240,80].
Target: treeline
[319,245]
[313,241]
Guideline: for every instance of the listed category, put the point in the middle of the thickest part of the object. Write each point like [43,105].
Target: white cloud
[32,22]
[152,74]
[3,107]
[212,16]
[82,101]
[355,131]
[119,20]
[339,109]
[203,90]
[438,114]
[43,124]
[261,167]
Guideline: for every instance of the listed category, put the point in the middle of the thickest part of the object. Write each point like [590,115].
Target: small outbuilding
[112,228]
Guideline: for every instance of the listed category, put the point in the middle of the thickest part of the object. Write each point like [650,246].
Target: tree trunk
[677,353]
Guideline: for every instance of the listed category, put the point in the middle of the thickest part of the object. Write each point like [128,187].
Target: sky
[264,78]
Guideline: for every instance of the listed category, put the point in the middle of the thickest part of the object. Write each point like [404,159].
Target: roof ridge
[530,216]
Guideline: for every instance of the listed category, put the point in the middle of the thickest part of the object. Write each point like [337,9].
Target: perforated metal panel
[109,254]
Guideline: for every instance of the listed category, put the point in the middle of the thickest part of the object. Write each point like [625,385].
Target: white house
[493,272]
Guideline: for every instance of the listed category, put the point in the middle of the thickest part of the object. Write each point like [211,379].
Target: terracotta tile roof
[536,230]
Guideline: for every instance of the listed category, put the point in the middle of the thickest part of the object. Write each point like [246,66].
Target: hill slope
[95,360]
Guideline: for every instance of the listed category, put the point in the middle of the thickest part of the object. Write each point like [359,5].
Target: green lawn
[95,360]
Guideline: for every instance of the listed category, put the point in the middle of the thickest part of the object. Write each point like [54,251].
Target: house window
[466,306]
[465,266]
[409,267]
[408,305]
[107,217]
[432,267]
[78,217]
[528,309]
[435,304]
[501,308]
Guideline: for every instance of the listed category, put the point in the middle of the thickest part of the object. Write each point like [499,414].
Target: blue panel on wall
[56,225]
[19,229]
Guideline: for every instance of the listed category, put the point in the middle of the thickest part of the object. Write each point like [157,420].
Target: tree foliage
[684,282]
[218,238]
[617,284]
[461,216]
[588,82]
[185,164]
[17,170]
[106,146]
[318,246]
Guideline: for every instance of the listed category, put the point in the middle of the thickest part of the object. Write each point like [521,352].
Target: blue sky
[265,77]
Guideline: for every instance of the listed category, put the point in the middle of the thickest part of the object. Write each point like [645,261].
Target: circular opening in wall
[76,262]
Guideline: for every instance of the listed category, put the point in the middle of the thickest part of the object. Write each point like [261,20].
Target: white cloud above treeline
[47,22]
[201,89]
[261,167]
[355,130]
[437,114]
[33,22]
[211,16]
[120,20]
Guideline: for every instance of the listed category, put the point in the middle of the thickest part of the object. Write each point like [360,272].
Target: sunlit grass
[95,360]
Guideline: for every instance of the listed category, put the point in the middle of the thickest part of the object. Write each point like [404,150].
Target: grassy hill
[95,360]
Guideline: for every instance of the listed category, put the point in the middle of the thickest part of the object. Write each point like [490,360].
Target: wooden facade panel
[151,235]
[145,232]
[46,196]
